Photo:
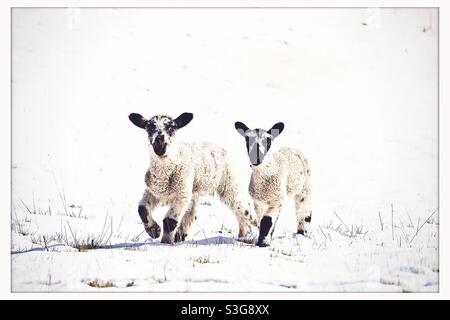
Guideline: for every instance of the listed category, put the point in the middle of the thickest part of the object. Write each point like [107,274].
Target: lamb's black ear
[183,119]
[241,128]
[276,129]
[138,120]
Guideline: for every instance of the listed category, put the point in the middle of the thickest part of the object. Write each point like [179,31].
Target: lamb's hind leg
[186,222]
[303,210]
[146,206]
[243,212]
[230,194]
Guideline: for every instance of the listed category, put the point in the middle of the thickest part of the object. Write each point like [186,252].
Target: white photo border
[5,142]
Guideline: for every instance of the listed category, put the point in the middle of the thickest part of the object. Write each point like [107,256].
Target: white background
[361,101]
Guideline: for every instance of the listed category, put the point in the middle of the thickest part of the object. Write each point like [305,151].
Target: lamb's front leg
[146,206]
[267,224]
[173,218]
[187,221]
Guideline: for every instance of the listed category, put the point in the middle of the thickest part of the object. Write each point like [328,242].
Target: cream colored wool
[284,173]
[188,171]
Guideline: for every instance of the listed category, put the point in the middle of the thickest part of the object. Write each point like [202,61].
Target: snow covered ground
[356,89]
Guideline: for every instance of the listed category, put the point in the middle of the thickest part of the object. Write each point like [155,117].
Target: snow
[356,89]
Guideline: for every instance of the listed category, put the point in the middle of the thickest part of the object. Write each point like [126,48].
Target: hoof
[180,236]
[303,232]
[247,239]
[249,235]
[263,243]
[167,238]
[153,231]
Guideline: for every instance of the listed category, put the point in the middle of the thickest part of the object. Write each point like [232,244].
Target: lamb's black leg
[169,225]
[180,236]
[153,229]
[174,219]
[186,223]
[264,228]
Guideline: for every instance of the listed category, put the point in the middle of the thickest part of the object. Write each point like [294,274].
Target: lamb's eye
[170,128]
[268,142]
[151,127]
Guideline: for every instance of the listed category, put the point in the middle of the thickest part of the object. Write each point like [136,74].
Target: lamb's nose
[159,140]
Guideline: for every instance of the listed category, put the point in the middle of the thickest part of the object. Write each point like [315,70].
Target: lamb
[275,177]
[179,174]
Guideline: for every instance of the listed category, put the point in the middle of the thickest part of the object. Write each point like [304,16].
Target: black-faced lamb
[179,173]
[275,177]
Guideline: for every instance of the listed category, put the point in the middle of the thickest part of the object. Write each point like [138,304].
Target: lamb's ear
[183,119]
[241,128]
[138,120]
[276,129]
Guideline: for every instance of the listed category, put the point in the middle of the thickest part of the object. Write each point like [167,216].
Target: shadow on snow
[149,242]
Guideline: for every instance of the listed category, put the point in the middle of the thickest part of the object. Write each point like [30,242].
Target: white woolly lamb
[179,174]
[275,177]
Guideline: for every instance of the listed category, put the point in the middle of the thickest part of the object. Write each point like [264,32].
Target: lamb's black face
[258,141]
[161,129]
